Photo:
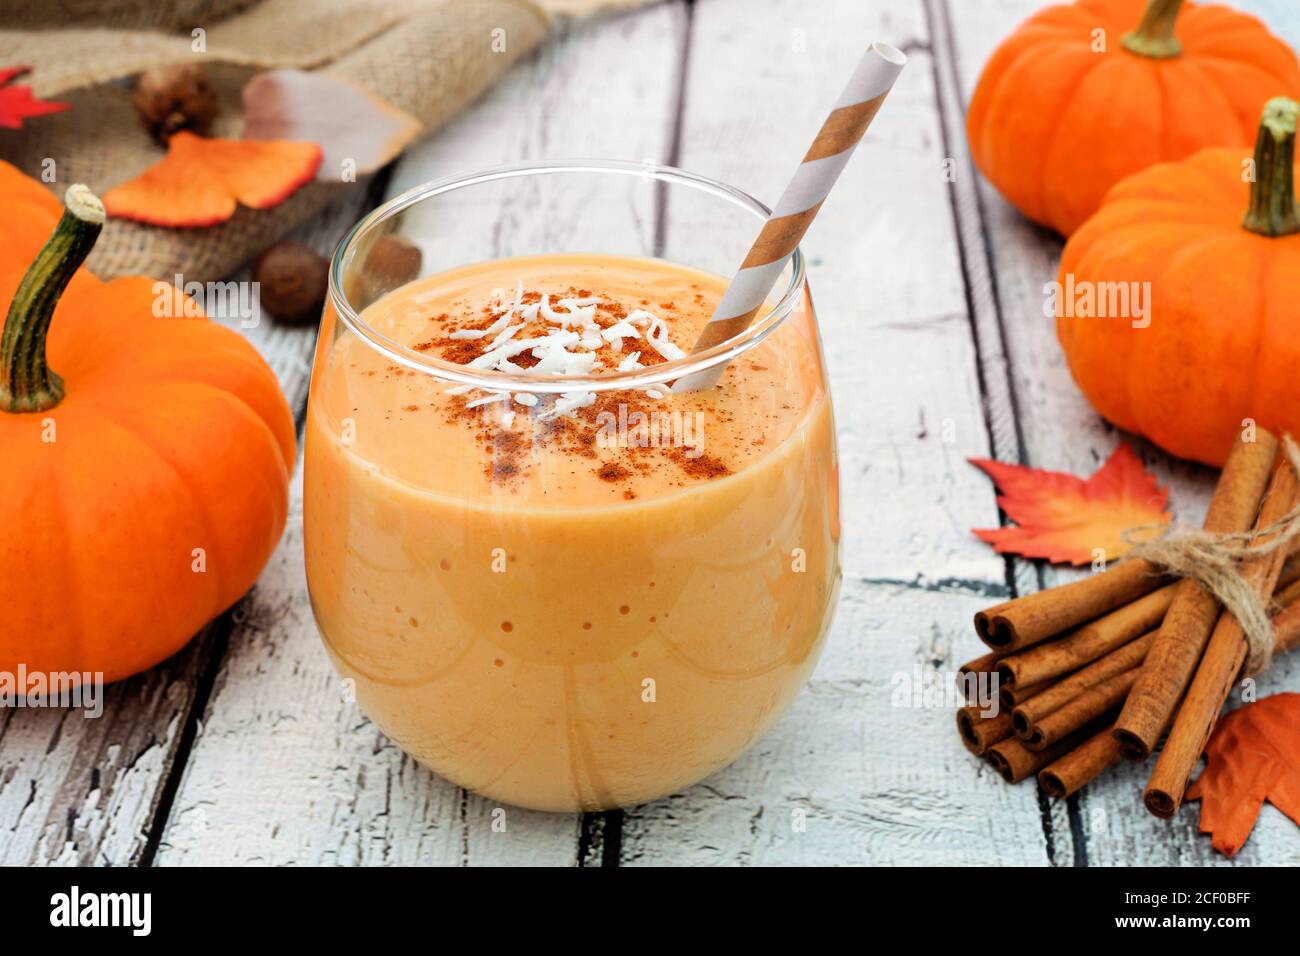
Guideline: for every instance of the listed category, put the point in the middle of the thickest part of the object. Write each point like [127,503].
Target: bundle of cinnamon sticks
[1104,667]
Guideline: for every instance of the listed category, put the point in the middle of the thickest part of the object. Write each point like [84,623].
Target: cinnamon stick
[1025,716]
[1033,618]
[1093,640]
[1103,698]
[1224,656]
[1290,568]
[1181,640]
[1013,696]
[1089,642]
[970,671]
[1014,761]
[1076,768]
[978,732]
[1080,766]
[1288,594]
[1286,625]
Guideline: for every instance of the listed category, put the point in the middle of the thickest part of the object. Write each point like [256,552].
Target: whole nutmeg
[172,98]
[292,279]
[391,262]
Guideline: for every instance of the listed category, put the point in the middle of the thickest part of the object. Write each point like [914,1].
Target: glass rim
[497,381]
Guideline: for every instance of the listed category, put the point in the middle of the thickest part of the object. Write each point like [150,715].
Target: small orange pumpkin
[1082,95]
[1220,338]
[145,483]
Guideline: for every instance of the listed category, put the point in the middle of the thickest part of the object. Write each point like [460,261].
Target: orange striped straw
[794,213]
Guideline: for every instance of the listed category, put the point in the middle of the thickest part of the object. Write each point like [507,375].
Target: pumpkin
[1082,95]
[146,457]
[1220,339]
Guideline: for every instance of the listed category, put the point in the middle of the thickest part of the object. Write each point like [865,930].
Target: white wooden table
[241,750]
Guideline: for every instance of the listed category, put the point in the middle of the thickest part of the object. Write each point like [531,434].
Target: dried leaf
[357,131]
[200,180]
[17,102]
[1253,756]
[1065,519]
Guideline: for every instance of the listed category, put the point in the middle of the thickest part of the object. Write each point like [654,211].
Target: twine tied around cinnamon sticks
[1214,560]
[1101,668]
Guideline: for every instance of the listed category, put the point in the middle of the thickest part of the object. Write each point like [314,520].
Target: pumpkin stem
[1154,36]
[1273,211]
[27,383]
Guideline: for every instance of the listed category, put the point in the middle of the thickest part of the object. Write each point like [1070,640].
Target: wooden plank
[86,791]
[1060,431]
[287,770]
[878,781]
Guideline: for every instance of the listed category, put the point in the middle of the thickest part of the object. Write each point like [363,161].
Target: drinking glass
[562,655]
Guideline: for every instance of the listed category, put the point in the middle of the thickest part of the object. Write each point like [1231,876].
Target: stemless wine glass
[547,652]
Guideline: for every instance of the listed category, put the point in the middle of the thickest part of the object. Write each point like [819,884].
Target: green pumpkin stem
[27,383]
[1273,211]
[1154,36]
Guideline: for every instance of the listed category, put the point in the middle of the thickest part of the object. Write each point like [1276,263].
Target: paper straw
[794,212]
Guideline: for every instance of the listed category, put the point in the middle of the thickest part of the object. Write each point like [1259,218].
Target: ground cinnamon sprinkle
[507,451]
[507,443]
[651,354]
[511,445]
[612,471]
[705,466]
[460,351]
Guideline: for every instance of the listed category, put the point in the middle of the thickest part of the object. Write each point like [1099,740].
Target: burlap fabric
[427,57]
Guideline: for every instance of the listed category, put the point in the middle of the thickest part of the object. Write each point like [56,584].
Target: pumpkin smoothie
[569,601]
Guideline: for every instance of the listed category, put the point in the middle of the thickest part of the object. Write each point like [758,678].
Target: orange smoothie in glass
[570,601]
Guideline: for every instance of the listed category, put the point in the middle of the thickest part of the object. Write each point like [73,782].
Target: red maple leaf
[1066,519]
[1253,756]
[17,102]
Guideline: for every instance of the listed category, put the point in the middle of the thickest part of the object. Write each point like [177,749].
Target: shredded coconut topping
[572,347]
[658,337]
[505,336]
[488,399]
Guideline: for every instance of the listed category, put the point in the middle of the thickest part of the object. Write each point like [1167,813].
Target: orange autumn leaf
[17,102]
[1253,756]
[1065,519]
[200,180]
